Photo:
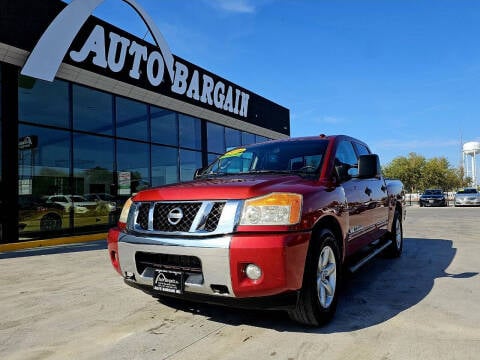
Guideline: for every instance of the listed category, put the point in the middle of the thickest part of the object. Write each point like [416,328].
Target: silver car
[467,197]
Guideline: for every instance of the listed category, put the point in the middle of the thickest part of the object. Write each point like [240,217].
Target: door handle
[368,191]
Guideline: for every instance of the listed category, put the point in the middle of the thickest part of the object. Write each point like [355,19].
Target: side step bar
[371,255]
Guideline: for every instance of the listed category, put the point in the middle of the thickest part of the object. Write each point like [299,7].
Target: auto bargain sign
[74,38]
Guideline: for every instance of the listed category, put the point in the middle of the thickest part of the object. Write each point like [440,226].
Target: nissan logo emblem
[175,216]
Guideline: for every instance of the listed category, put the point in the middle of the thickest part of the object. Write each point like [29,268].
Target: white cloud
[235,6]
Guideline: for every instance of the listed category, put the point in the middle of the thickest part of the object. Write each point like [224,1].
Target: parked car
[35,214]
[81,205]
[467,197]
[103,198]
[433,197]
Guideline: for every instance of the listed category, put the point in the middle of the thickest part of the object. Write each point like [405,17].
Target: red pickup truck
[269,225]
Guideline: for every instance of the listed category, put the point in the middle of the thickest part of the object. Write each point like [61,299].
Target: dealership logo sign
[110,51]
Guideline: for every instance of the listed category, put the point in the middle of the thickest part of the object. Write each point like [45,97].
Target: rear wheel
[319,294]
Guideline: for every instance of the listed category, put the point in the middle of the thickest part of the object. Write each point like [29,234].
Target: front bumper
[433,202]
[467,201]
[214,266]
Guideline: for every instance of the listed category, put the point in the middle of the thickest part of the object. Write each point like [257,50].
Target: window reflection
[68,179]
[247,138]
[233,138]
[43,102]
[164,126]
[43,172]
[132,119]
[133,167]
[92,110]
[164,165]
[190,132]
[216,138]
[189,162]
[93,181]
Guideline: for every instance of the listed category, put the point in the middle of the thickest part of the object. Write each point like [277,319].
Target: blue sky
[402,75]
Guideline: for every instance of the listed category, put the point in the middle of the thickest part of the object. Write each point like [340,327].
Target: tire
[50,222]
[396,236]
[318,297]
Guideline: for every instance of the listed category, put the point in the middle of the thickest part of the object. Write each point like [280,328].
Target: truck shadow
[377,292]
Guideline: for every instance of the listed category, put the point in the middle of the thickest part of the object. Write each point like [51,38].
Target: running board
[371,255]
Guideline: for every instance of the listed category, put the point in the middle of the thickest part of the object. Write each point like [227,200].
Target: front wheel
[50,222]
[319,294]
[396,236]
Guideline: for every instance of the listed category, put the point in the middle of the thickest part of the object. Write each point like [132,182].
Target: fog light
[253,272]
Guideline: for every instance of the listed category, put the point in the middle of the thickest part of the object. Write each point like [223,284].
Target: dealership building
[91,114]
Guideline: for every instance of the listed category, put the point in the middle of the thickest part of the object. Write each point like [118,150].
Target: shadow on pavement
[56,249]
[376,293]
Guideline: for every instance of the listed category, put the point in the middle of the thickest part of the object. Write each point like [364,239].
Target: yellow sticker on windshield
[233,153]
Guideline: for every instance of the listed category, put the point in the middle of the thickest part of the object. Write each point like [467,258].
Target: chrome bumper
[213,254]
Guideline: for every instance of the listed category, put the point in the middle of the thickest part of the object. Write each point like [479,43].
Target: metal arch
[57,39]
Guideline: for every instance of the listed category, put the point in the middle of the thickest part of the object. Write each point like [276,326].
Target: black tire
[321,281]
[50,222]
[396,236]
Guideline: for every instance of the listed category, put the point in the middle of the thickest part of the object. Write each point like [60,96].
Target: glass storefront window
[44,171]
[215,138]
[164,165]
[164,125]
[233,138]
[190,161]
[259,138]
[93,179]
[43,102]
[190,132]
[92,110]
[132,119]
[133,167]
[247,138]
[68,179]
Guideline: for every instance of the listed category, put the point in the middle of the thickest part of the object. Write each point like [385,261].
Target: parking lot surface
[67,302]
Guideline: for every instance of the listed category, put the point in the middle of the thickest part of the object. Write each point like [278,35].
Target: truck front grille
[162,210]
[178,217]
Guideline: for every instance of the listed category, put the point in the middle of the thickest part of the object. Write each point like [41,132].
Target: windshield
[296,157]
[433,192]
[467,191]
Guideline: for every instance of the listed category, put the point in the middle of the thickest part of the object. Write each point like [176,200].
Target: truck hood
[228,187]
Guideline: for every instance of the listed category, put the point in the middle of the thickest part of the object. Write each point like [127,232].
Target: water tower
[470,151]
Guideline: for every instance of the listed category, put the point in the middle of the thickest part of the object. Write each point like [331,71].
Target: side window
[362,149]
[345,161]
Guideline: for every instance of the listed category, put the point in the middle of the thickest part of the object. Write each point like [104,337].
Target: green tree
[418,174]
[407,169]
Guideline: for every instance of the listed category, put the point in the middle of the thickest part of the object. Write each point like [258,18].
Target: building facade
[91,114]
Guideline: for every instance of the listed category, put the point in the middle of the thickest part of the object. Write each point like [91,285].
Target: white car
[467,197]
[80,204]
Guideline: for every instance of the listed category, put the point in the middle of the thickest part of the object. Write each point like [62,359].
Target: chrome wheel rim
[398,234]
[326,276]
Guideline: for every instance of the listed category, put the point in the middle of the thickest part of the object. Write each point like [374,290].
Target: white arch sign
[46,58]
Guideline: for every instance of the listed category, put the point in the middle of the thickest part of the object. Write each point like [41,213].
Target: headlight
[272,209]
[126,209]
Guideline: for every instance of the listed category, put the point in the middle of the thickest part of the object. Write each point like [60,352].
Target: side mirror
[369,166]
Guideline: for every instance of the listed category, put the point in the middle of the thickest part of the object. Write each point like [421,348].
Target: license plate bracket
[169,281]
